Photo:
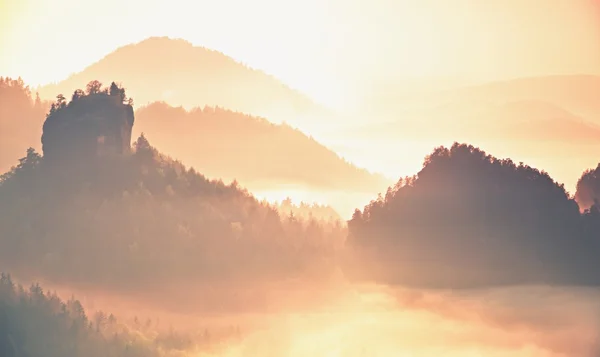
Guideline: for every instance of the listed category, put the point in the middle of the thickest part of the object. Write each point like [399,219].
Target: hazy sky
[323,47]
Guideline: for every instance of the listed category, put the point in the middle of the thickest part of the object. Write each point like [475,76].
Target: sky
[329,49]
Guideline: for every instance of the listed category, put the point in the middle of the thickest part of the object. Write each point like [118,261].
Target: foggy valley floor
[375,320]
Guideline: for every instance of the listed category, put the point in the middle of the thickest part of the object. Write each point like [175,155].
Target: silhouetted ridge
[469,219]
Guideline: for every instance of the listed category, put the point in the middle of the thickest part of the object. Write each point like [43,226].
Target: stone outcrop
[91,125]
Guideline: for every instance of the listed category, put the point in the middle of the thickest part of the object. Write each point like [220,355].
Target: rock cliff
[94,123]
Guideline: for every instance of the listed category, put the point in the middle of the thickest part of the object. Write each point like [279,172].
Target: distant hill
[553,121]
[21,118]
[175,71]
[579,94]
[515,120]
[259,154]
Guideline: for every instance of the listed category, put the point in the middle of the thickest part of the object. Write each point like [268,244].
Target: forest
[35,322]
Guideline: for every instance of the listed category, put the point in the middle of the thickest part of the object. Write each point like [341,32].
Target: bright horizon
[324,49]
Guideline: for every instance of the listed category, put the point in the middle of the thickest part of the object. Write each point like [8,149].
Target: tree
[61,101]
[77,94]
[93,87]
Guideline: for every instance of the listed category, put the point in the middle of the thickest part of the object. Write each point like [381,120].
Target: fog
[385,321]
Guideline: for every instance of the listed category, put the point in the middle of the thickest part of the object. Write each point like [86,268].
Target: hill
[175,71]
[135,219]
[257,153]
[468,219]
[272,160]
[21,118]
[519,120]
[577,94]
[552,122]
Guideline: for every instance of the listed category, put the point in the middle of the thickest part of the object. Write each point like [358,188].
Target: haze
[335,178]
[327,49]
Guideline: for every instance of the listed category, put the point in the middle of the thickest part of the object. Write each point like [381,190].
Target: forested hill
[232,145]
[469,219]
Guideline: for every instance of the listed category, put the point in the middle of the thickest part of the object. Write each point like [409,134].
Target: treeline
[34,322]
[306,210]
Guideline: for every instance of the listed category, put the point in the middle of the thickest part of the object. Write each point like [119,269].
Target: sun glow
[330,50]
[422,324]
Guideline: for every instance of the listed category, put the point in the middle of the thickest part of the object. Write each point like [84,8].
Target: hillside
[468,219]
[173,70]
[257,153]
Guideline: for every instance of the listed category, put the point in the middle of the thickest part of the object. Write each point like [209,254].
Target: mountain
[259,154]
[174,70]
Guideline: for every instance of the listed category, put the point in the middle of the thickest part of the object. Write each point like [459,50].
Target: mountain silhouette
[174,70]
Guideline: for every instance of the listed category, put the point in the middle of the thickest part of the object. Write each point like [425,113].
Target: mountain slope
[173,70]
[230,145]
